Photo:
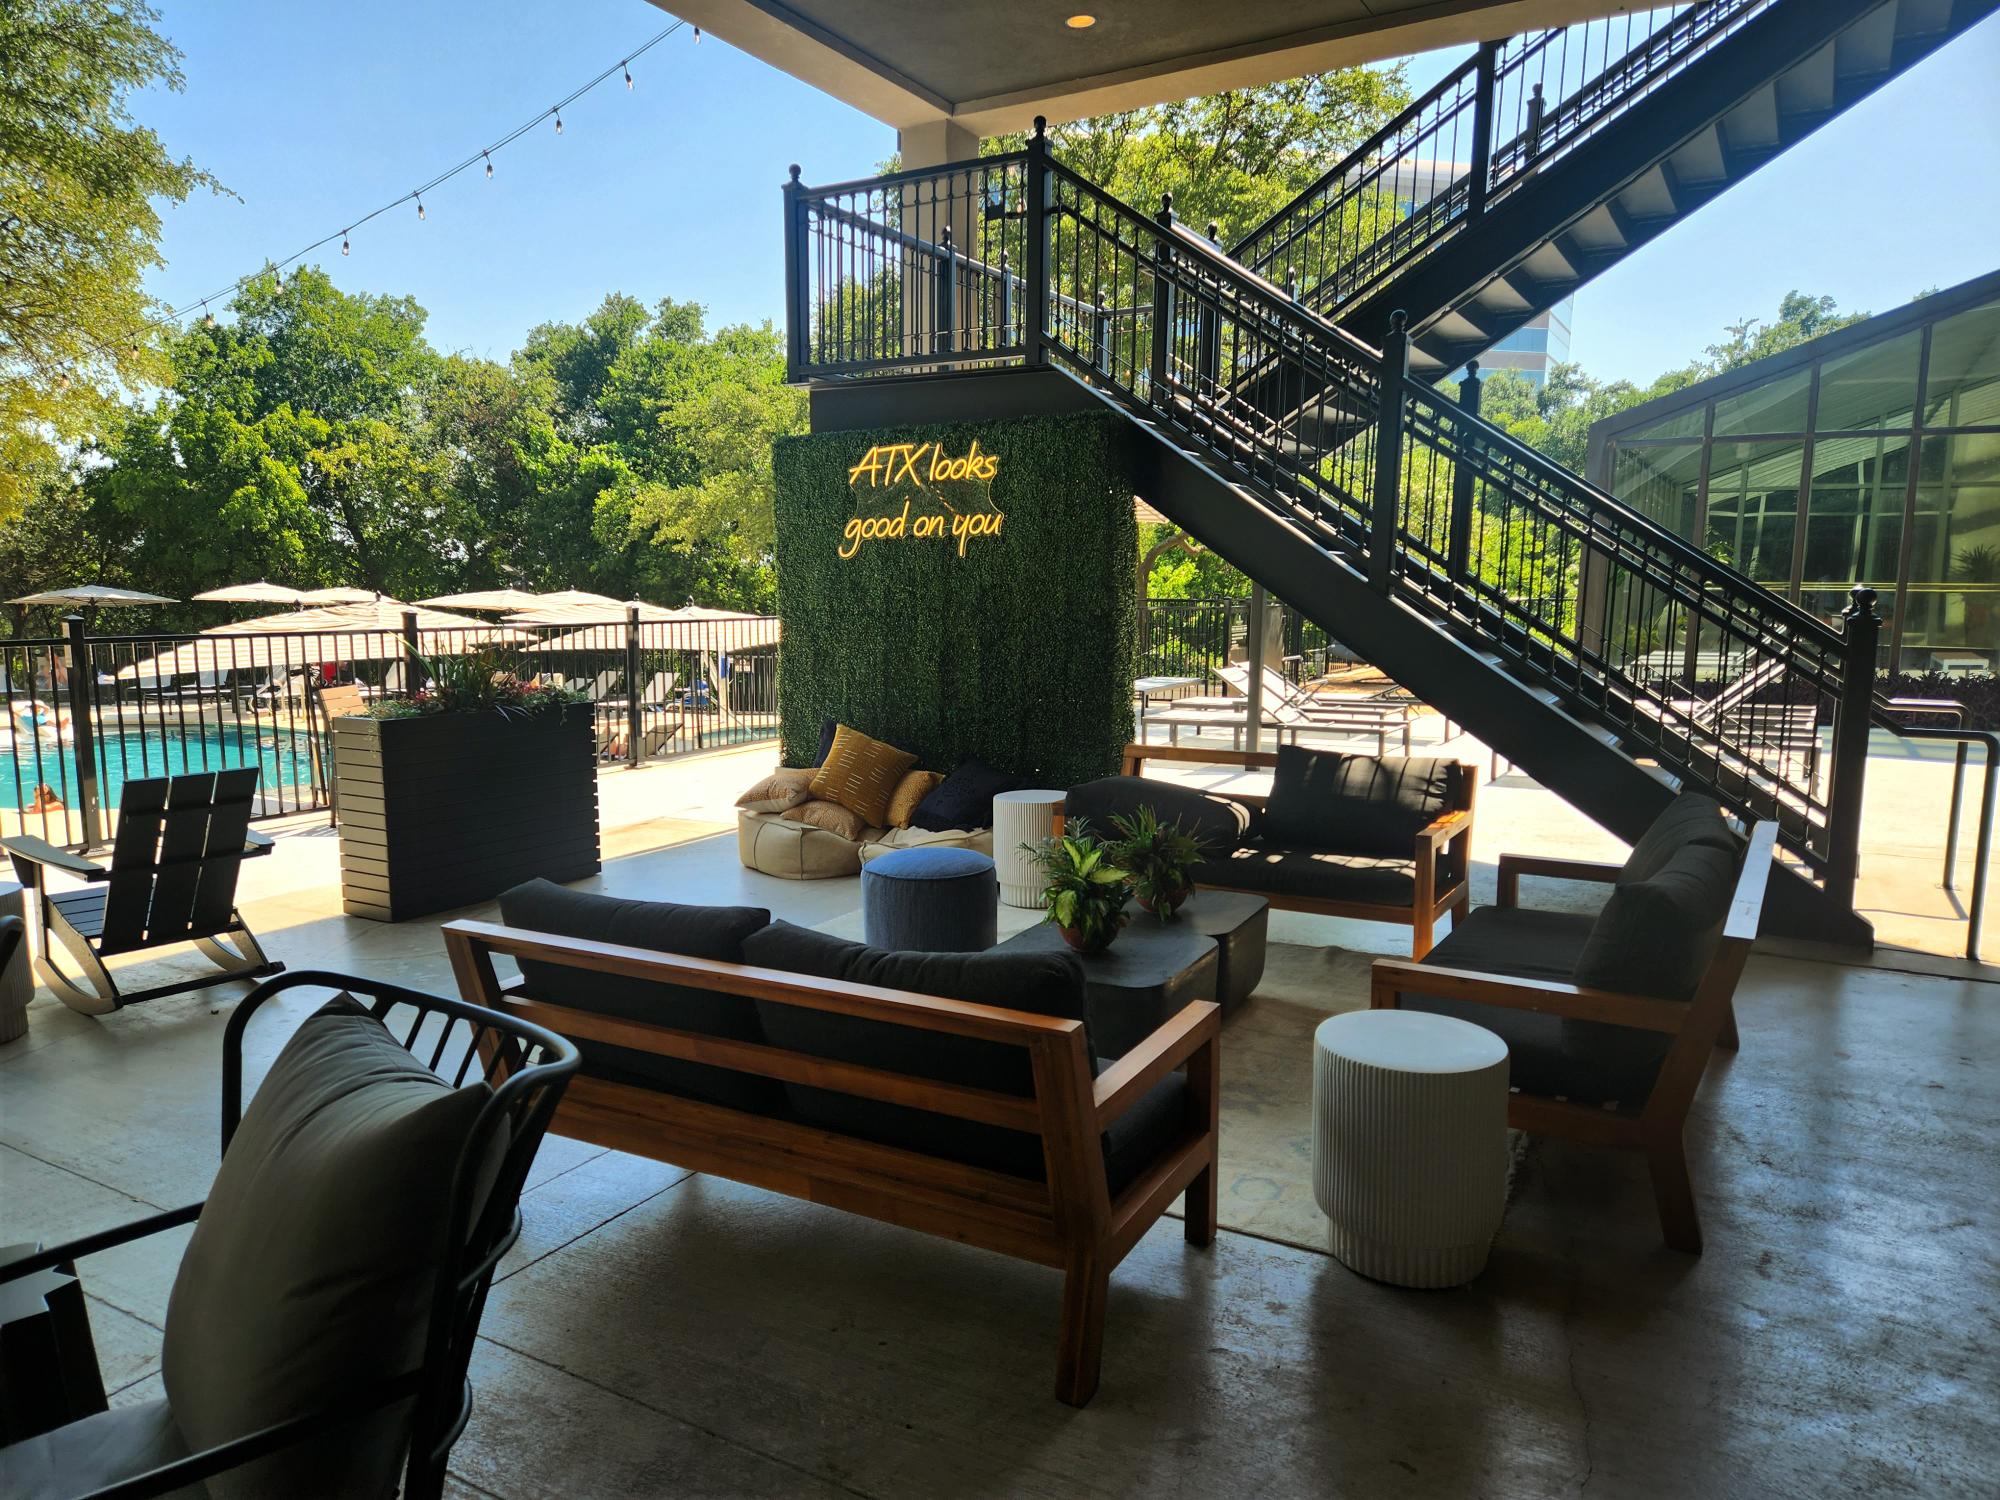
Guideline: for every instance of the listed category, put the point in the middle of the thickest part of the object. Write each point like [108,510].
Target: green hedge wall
[1021,652]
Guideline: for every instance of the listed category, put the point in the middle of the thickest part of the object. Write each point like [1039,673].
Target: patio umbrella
[611,612]
[87,595]
[259,592]
[338,595]
[710,632]
[362,632]
[498,600]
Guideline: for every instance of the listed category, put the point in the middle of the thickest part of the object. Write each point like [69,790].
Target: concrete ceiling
[986,67]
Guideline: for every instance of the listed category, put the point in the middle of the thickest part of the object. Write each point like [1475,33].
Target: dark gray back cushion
[1048,984]
[715,932]
[1221,822]
[1656,936]
[309,1273]
[1691,818]
[1356,804]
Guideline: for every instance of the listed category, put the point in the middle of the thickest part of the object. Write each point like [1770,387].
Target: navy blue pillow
[964,799]
[826,731]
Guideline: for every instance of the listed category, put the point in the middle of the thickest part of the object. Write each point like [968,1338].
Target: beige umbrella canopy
[340,594]
[609,613]
[695,629]
[259,592]
[300,639]
[575,596]
[499,600]
[89,594]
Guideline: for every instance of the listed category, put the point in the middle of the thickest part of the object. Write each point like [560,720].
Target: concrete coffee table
[1139,982]
[1239,924]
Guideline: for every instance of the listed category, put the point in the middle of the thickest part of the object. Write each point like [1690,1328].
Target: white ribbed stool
[1024,817]
[1410,1143]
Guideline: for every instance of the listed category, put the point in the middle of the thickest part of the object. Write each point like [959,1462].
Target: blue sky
[317,114]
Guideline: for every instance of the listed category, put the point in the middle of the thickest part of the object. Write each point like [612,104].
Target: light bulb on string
[207,318]
[558,114]
[281,283]
[345,248]
[62,380]
[628,74]
[420,206]
[697,36]
[489,164]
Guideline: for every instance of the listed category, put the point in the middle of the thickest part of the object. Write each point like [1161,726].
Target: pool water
[284,758]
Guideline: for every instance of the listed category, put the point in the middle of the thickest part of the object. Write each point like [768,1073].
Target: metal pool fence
[86,713]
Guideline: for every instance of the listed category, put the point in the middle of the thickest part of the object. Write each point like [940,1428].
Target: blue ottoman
[930,901]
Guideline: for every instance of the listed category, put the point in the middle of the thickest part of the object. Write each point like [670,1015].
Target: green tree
[80,189]
[1800,319]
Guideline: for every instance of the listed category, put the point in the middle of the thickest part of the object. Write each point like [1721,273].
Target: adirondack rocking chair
[172,879]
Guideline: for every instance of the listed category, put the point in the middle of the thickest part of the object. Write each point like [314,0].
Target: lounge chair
[180,844]
[1288,711]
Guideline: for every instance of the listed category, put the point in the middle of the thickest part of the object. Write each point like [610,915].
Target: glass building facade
[1871,455]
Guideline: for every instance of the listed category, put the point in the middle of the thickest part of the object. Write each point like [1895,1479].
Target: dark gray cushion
[1691,818]
[1317,874]
[1656,936]
[1049,984]
[715,932]
[309,1273]
[92,1454]
[1517,941]
[1582,1061]
[964,799]
[1357,804]
[1216,819]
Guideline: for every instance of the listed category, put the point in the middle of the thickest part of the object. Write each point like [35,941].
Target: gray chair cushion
[1221,822]
[1049,984]
[1656,936]
[309,1273]
[1314,873]
[1691,818]
[1585,1061]
[1358,804]
[98,1451]
[715,932]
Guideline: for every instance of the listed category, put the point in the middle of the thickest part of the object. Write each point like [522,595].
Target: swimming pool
[284,758]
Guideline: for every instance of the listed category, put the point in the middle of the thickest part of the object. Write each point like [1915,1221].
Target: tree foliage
[80,188]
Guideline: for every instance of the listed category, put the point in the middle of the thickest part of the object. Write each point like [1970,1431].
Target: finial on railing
[1472,369]
[945,236]
[1215,231]
[1041,127]
[1166,206]
[1399,321]
[795,171]
[1861,603]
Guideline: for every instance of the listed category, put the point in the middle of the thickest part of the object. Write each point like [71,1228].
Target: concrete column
[1254,710]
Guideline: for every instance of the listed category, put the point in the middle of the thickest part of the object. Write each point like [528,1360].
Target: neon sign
[929,481]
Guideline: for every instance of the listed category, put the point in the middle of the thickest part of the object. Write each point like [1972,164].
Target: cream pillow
[912,789]
[861,774]
[778,792]
[831,816]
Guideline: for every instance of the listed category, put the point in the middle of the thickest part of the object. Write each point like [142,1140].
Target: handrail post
[1459,552]
[413,665]
[1481,171]
[1003,322]
[1389,453]
[1533,134]
[635,711]
[1035,272]
[1850,745]
[798,313]
[1208,336]
[945,295]
[1163,296]
[82,738]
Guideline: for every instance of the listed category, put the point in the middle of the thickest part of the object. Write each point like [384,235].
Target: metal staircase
[1611,659]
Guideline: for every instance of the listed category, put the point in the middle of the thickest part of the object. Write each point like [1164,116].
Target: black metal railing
[1504,115]
[85,714]
[1193,638]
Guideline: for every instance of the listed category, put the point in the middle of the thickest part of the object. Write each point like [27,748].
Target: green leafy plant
[1086,891]
[495,679]
[1159,857]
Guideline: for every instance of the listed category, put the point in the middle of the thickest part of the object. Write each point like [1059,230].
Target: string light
[281,283]
[208,318]
[483,157]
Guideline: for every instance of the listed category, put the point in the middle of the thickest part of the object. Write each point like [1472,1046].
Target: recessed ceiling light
[1080,23]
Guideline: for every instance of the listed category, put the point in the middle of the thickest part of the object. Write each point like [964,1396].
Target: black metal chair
[527,1068]
[180,843]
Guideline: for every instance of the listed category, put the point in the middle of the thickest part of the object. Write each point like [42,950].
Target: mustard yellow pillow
[829,815]
[912,789]
[778,792]
[861,774]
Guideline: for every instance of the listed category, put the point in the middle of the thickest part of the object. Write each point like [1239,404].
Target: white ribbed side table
[1022,818]
[1410,1143]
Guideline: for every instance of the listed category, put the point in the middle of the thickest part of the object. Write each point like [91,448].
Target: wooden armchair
[1695,1027]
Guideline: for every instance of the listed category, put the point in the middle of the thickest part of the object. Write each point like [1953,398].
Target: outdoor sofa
[1378,838]
[957,1093]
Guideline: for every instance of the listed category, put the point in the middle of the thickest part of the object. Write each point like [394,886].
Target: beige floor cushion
[980,839]
[773,845]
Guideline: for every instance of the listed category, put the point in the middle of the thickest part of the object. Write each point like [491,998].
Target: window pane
[1963,389]
[1777,405]
[1753,507]
[1953,613]
[1854,520]
[1659,481]
[1873,387]
[1682,424]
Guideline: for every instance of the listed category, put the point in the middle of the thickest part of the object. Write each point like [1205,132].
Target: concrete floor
[658,1333]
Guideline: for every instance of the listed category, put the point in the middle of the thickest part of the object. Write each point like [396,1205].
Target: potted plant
[472,783]
[1087,890]
[1160,857]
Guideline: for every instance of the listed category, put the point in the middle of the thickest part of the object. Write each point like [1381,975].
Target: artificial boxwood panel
[1021,652]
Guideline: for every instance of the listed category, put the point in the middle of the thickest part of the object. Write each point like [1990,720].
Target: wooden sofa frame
[1443,849]
[1069,1222]
[1697,1026]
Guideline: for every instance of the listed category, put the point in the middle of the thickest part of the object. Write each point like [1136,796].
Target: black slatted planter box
[450,809]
